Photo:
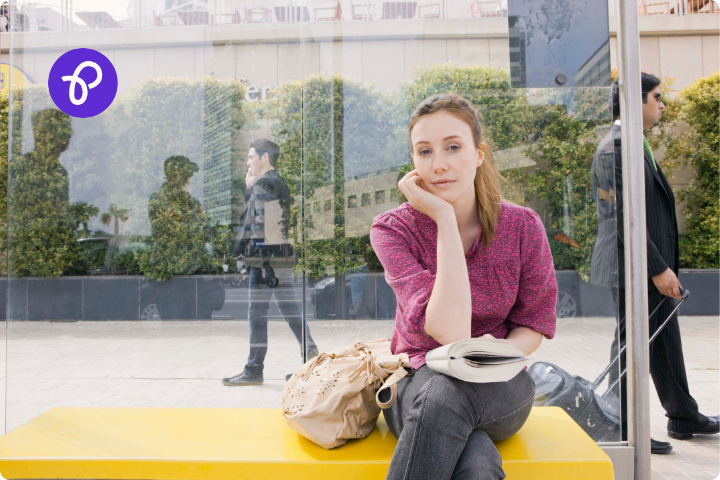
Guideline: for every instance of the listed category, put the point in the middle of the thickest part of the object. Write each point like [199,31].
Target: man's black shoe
[243,379]
[659,448]
[712,427]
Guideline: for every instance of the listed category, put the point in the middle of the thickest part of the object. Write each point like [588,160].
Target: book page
[478,360]
[487,373]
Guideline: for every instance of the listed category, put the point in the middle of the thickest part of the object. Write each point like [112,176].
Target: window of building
[365,200]
[327,206]
[316,207]
[352,201]
[395,195]
[379,197]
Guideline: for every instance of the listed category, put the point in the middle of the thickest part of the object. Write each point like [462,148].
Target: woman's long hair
[488,192]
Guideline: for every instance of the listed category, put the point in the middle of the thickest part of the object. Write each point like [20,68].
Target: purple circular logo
[83,83]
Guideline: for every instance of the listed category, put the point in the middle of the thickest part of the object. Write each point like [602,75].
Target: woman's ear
[481,154]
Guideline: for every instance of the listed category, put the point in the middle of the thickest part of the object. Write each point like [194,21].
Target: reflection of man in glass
[667,366]
[263,185]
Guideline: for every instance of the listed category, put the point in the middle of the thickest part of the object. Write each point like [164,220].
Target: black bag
[598,415]
[554,387]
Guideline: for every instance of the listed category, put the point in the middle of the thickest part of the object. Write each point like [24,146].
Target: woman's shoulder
[403,223]
[519,224]
[518,216]
[404,215]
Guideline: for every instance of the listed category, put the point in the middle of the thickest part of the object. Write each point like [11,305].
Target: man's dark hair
[648,82]
[263,146]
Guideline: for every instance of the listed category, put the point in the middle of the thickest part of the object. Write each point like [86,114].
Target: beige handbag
[335,396]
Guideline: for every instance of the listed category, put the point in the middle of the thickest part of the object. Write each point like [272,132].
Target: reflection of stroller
[241,277]
[598,415]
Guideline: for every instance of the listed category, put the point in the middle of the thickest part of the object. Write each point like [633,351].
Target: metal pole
[636,279]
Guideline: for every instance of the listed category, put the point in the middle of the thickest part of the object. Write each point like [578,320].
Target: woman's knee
[480,460]
[508,426]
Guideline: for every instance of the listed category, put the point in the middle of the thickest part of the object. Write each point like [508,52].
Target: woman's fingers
[408,182]
[407,175]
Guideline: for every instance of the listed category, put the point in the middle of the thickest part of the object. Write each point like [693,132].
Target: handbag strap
[391,383]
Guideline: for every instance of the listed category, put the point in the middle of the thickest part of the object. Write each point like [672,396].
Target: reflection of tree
[561,177]
[119,214]
[4,117]
[560,146]
[338,128]
[333,127]
[699,148]
[180,227]
[41,226]
[162,117]
[81,213]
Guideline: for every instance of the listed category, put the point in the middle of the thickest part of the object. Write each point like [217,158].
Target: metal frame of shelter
[636,276]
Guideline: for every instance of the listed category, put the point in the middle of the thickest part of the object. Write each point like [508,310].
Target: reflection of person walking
[667,366]
[262,185]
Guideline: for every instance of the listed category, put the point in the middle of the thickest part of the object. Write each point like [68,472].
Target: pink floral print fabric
[512,282]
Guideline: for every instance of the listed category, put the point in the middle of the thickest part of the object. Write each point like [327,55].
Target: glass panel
[359,92]
[557,44]
[146,263]
[138,252]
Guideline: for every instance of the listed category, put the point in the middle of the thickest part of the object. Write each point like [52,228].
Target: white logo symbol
[74,78]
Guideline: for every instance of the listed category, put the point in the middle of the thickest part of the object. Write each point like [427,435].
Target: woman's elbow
[446,335]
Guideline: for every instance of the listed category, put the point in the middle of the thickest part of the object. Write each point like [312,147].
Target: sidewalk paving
[180,364]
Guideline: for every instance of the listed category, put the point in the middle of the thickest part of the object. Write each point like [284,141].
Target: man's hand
[250,179]
[668,284]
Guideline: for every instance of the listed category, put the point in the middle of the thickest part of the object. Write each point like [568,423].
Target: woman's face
[445,156]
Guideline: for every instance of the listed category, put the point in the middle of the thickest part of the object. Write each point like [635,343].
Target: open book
[478,360]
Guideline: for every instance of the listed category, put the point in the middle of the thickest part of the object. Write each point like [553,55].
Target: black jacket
[662,230]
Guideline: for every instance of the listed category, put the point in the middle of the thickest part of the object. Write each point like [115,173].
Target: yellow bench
[248,444]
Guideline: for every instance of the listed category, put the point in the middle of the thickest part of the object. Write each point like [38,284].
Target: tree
[180,226]
[4,117]
[82,212]
[560,183]
[41,227]
[329,129]
[119,214]
[699,107]
[165,117]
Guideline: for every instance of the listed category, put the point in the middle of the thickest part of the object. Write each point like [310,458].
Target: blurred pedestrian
[263,184]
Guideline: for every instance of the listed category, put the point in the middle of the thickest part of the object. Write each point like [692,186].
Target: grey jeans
[446,427]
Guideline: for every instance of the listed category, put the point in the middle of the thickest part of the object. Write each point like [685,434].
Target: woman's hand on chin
[411,185]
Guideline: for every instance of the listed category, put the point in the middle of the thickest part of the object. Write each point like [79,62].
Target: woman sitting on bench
[463,263]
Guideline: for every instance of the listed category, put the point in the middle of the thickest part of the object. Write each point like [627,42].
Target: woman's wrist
[446,219]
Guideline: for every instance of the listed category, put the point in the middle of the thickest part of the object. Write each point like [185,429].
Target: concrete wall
[384,52]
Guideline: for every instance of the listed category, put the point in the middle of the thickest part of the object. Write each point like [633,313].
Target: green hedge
[41,228]
[559,144]
[120,153]
[330,130]
[698,106]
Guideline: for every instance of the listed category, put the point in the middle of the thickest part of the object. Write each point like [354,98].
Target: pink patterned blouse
[512,282]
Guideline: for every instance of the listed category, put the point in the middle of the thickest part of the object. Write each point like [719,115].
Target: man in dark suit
[667,366]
